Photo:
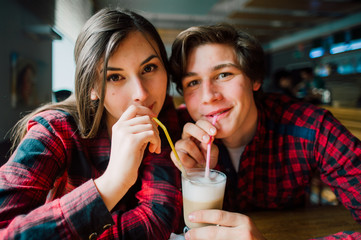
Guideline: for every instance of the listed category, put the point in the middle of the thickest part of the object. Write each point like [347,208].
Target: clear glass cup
[202,193]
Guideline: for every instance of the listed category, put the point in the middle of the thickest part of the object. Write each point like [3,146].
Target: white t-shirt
[235,154]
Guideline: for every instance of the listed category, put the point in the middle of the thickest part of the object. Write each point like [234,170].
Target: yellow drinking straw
[171,145]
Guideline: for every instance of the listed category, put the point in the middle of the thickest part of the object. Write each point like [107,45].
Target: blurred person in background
[284,83]
[311,87]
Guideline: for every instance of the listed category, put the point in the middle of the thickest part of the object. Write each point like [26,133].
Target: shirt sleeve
[25,181]
[158,212]
[28,179]
[338,155]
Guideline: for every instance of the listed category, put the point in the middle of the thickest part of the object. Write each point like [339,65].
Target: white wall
[70,16]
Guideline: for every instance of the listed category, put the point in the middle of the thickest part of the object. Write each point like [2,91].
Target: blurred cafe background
[321,37]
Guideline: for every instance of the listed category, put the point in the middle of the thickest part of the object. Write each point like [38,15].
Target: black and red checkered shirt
[47,189]
[293,139]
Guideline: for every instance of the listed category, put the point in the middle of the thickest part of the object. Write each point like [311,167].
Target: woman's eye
[150,68]
[224,75]
[114,77]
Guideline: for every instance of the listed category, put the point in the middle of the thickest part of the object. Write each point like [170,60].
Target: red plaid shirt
[293,139]
[47,189]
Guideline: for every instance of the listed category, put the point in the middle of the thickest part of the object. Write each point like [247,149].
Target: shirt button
[93,236]
[107,226]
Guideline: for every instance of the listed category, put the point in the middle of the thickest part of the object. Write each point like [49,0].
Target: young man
[269,145]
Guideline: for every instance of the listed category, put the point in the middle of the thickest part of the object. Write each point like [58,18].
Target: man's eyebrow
[110,68]
[215,68]
[189,74]
[220,66]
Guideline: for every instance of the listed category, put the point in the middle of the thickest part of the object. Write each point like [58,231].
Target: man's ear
[256,86]
[93,95]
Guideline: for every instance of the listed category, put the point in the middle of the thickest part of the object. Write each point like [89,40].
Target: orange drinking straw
[171,145]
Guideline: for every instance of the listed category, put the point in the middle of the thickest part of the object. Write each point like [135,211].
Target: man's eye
[150,68]
[192,83]
[224,75]
[114,77]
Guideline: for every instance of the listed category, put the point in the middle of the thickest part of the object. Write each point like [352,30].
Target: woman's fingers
[138,119]
[132,111]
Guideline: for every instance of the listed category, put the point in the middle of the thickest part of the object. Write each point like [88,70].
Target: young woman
[95,165]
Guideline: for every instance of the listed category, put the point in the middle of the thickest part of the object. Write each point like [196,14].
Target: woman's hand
[231,226]
[131,134]
[192,148]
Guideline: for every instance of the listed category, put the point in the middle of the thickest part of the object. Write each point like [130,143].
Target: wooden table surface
[304,223]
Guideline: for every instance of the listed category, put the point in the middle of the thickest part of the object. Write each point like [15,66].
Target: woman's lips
[151,107]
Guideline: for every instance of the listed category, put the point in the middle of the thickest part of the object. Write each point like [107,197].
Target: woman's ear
[93,95]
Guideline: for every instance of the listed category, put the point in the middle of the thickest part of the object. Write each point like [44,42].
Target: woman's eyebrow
[148,59]
[110,68]
[114,69]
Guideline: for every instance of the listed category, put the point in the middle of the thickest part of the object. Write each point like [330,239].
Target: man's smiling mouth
[218,113]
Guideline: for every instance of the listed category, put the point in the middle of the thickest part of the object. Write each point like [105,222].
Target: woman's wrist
[111,190]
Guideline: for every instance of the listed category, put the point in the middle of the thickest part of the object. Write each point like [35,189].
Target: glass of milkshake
[201,193]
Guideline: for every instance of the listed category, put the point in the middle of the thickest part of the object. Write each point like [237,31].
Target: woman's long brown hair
[96,43]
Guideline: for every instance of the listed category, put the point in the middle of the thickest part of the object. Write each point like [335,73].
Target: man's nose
[210,92]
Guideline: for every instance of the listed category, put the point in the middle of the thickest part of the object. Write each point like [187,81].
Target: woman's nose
[139,89]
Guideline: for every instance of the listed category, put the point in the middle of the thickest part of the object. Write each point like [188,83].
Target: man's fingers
[219,217]
[209,232]
[175,160]
[207,127]
[229,225]
[189,153]
[191,130]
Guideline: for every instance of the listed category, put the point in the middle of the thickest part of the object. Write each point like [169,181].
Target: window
[63,65]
